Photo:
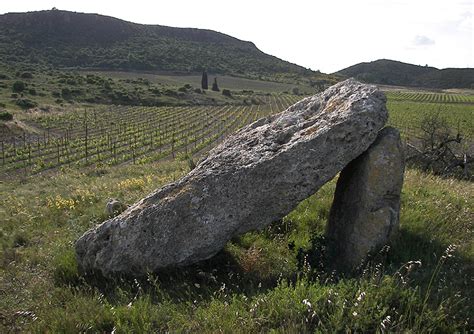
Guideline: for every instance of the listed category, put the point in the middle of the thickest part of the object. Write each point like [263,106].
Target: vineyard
[409,108]
[111,135]
[429,97]
[117,134]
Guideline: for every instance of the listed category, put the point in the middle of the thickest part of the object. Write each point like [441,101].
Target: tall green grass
[275,280]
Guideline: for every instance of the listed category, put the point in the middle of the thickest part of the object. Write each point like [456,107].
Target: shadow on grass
[440,276]
[218,276]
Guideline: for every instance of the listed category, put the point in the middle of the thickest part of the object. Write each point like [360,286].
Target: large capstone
[255,177]
[365,213]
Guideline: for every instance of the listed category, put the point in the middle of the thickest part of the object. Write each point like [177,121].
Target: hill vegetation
[389,72]
[65,39]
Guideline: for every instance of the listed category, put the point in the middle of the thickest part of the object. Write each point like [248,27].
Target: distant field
[223,81]
[431,97]
[407,115]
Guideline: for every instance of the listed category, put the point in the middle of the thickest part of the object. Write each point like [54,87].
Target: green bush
[26,75]
[5,116]
[26,103]
[18,86]
[226,92]
[65,92]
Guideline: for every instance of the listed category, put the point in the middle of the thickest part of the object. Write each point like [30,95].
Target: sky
[322,35]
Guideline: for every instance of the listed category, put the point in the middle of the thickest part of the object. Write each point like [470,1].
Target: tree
[214,85]
[204,84]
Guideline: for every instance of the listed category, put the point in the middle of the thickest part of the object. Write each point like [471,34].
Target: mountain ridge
[72,39]
[392,72]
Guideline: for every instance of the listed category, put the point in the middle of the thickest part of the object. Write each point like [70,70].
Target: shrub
[438,149]
[5,116]
[20,239]
[65,92]
[170,92]
[18,86]
[32,91]
[26,75]
[26,103]
[71,82]
[226,92]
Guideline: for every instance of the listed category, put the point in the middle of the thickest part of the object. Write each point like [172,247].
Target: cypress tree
[214,85]
[204,84]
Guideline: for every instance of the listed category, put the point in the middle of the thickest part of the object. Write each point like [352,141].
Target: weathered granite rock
[365,212]
[253,178]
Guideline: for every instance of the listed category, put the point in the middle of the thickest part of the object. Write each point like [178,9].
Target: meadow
[274,280]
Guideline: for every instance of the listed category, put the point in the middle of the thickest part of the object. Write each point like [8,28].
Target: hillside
[391,72]
[65,39]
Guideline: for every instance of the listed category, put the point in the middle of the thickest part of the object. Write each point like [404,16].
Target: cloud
[421,40]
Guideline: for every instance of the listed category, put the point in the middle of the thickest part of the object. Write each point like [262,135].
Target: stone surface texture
[255,177]
[365,211]
[114,207]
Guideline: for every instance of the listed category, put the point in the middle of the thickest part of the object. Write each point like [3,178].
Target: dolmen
[257,176]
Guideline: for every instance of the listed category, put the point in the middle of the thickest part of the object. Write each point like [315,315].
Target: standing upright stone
[255,177]
[365,211]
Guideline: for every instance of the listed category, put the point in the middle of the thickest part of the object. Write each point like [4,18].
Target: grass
[273,280]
